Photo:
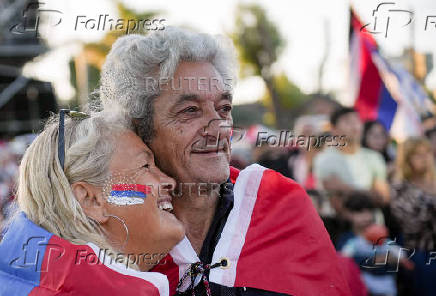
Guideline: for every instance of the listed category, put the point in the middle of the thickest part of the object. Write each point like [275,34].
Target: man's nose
[217,128]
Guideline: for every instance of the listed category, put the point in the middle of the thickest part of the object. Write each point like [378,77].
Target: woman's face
[421,160]
[152,229]
[377,137]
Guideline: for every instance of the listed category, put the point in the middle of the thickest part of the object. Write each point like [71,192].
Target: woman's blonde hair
[44,189]
[405,151]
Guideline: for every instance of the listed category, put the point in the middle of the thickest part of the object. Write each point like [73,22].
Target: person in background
[301,157]
[414,205]
[351,166]
[377,257]
[339,170]
[376,137]
[428,123]
[8,174]
[275,158]
[431,136]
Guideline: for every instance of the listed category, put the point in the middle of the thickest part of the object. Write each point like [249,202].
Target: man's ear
[91,200]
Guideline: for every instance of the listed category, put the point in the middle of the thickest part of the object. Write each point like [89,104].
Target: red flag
[273,240]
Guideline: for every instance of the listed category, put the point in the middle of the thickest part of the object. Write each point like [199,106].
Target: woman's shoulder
[35,259]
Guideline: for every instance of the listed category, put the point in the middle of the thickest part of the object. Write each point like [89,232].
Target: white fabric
[183,255]
[232,237]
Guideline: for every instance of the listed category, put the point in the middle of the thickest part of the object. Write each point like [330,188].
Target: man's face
[350,126]
[192,122]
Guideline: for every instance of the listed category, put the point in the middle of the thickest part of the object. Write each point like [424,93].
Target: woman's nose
[166,183]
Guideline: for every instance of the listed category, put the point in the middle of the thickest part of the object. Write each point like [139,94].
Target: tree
[86,67]
[259,44]
[289,97]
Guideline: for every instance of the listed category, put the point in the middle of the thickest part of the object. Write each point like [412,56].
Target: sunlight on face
[192,126]
[151,228]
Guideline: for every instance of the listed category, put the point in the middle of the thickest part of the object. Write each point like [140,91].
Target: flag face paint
[128,194]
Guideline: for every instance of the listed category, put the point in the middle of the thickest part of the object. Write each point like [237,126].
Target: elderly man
[256,232]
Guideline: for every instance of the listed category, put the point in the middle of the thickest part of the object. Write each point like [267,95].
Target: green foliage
[259,44]
[102,48]
[95,52]
[290,95]
[257,39]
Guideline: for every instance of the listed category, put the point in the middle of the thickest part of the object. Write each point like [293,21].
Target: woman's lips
[165,204]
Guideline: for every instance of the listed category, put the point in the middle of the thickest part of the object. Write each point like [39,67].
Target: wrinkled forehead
[196,80]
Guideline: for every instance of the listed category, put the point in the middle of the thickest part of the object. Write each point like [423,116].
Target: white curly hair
[136,64]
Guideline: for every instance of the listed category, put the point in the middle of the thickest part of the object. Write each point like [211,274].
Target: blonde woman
[414,206]
[95,213]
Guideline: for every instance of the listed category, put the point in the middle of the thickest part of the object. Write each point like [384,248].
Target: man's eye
[227,108]
[191,109]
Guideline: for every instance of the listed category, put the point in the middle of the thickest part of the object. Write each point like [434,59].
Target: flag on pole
[383,92]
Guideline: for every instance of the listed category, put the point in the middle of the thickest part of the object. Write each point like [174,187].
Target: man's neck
[196,212]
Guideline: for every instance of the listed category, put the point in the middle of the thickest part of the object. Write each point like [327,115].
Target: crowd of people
[376,196]
[11,152]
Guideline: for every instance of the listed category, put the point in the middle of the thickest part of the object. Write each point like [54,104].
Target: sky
[309,28]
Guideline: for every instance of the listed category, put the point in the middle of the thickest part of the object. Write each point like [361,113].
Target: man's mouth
[204,149]
[207,151]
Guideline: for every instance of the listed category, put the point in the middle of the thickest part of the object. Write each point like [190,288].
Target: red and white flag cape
[273,240]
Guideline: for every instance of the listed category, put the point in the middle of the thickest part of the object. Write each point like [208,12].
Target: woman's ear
[91,200]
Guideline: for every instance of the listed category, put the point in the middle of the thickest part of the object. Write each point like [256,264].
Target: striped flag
[273,240]
[36,262]
[383,92]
